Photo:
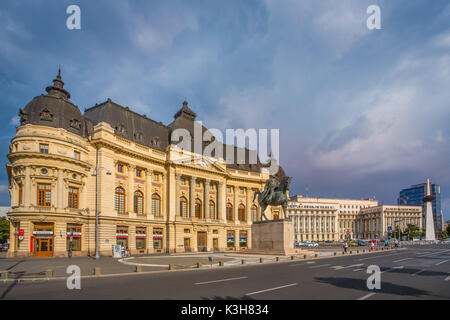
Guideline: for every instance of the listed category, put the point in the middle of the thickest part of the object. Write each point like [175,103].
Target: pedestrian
[372,246]
[345,247]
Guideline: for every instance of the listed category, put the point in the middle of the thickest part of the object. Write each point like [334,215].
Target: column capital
[192,179]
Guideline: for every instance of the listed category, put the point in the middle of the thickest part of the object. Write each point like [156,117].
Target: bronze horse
[278,197]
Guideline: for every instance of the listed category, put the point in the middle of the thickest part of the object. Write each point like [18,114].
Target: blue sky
[361,112]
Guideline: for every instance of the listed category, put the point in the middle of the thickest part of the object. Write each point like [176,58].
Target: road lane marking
[394,268]
[358,269]
[271,289]
[402,260]
[448,278]
[420,271]
[381,256]
[367,296]
[319,266]
[341,267]
[439,263]
[309,262]
[221,280]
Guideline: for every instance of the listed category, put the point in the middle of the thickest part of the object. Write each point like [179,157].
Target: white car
[313,244]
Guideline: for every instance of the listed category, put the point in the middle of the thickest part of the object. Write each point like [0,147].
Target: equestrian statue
[274,194]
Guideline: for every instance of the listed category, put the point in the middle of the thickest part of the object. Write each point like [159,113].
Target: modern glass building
[414,196]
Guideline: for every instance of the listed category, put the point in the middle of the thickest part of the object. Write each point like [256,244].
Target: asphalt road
[421,272]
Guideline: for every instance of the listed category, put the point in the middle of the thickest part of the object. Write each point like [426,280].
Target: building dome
[54,109]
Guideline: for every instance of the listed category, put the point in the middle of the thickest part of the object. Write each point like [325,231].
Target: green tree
[444,235]
[412,231]
[448,229]
[4,229]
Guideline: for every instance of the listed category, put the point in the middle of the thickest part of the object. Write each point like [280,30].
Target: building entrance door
[216,244]
[201,241]
[44,247]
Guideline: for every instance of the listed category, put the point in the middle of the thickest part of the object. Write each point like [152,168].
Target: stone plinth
[273,237]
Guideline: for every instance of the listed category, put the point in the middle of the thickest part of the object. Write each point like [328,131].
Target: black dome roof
[54,110]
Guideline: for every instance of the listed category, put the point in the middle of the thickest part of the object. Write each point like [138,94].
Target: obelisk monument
[429,221]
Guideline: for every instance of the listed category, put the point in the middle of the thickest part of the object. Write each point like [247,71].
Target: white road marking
[221,280]
[394,268]
[439,263]
[358,269]
[367,296]
[402,260]
[319,266]
[448,278]
[381,256]
[271,289]
[309,262]
[420,271]
[341,267]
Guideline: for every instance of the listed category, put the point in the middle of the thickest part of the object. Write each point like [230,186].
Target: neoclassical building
[374,222]
[151,195]
[322,219]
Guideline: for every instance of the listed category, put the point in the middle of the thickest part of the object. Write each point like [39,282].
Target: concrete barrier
[138,269]
[49,273]
[97,271]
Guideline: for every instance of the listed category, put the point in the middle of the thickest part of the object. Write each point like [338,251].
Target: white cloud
[15,121]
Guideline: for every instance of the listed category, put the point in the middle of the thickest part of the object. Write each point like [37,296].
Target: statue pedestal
[273,237]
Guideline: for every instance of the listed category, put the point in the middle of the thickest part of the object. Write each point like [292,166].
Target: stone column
[130,193]
[206,198]
[191,197]
[177,194]
[148,193]
[248,210]
[27,188]
[235,209]
[221,205]
[60,190]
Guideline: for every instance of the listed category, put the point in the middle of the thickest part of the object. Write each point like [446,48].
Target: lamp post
[96,206]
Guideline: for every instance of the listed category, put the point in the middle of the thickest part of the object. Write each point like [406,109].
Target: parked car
[362,243]
[352,244]
[329,241]
[313,244]
[4,247]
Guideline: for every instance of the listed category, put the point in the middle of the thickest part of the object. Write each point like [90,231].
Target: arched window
[183,207]
[241,212]
[198,208]
[212,210]
[138,202]
[119,200]
[254,213]
[156,205]
[229,212]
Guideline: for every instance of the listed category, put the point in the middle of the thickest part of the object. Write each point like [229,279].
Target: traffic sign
[389,228]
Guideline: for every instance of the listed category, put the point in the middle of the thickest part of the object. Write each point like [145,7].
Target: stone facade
[374,222]
[148,197]
[322,219]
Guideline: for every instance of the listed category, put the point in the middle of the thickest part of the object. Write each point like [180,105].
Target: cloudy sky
[361,112]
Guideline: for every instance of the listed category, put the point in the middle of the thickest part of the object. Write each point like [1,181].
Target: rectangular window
[230,238]
[20,195]
[157,238]
[155,177]
[243,239]
[138,173]
[122,236]
[120,168]
[73,198]
[76,155]
[73,237]
[43,148]
[44,195]
[141,236]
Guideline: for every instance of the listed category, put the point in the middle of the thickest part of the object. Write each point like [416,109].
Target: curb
[238,265]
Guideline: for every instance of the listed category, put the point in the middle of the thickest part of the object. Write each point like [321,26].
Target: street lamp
[96,206]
